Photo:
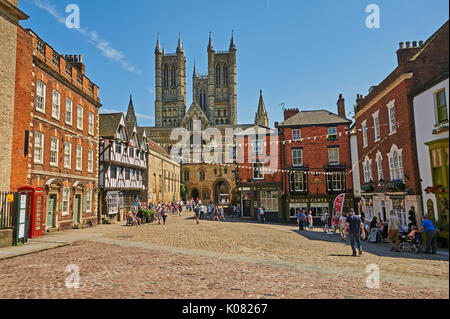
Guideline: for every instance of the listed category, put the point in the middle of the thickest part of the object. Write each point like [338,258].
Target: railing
[6,210]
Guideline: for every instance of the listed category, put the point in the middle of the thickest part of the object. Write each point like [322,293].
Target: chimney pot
[414,44]
[81,58]
[408,44]
[401,45]
[420,43]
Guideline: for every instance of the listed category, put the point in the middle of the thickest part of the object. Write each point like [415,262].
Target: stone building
[386,136]
[60,134]
[10,16]
[214,106]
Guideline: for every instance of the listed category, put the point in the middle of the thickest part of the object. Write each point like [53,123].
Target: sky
[302,54]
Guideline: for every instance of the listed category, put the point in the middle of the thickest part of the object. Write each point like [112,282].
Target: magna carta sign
[317,181]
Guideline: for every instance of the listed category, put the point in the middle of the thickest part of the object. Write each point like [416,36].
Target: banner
[338,204]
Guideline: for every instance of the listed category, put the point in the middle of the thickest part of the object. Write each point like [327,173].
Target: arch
[170,123]
[217,122]
[54,181]
[78,185]
[221,192]
[195,194]
[222,122]
[164,123]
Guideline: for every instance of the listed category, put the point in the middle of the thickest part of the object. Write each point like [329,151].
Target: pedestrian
[197,213]
[222,214]
[393,230]
[342,221]
[261,214]
[299,221]
[356,228]
[238,211]
[310,221]
[202,212]
[431,235]
[164,214]
[325,221]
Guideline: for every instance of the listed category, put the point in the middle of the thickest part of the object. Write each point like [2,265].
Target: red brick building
[384,121]
[259,180]
[57,143]
[315,159]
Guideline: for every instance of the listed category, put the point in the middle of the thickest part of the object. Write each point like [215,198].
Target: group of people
[135,215]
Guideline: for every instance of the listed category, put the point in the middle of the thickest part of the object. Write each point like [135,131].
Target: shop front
[267,197]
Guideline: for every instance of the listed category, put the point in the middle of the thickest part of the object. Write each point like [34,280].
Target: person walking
[222,214]
[310,221]
[261,215]
[431,235]
[299,221]
[325,221]
[164,214]
[197,213]
[356,229]
[342,221]
[238,211]
[393,230]
[202,211]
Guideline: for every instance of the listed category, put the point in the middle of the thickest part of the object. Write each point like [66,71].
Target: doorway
[51,211]
[76,209]
[195,194]
[246,208]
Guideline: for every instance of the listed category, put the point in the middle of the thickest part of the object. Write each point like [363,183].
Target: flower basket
[396,186]
[368,187]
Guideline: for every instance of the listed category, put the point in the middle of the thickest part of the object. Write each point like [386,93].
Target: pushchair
[411,245]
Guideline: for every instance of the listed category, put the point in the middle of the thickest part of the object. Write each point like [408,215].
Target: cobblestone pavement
[213,260]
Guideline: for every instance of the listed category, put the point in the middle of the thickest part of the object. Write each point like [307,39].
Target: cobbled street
[233,259]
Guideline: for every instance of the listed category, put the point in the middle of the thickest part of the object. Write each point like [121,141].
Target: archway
[195,194]
[221,193]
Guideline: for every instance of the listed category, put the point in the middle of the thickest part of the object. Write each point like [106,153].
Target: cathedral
[214,97]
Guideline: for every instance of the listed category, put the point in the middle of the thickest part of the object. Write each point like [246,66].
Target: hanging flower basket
[368,187]
[396,185]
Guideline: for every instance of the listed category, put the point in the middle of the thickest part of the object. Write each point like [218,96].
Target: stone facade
[9,17]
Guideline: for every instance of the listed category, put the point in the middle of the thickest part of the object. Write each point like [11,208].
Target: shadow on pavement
[372,248]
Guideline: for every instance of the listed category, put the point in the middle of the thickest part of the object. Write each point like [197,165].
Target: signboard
[21,234]
[338,204]
[373,235]
[10,198]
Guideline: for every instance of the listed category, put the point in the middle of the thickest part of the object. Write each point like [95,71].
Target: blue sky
[300,53]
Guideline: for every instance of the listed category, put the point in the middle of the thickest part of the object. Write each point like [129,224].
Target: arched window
[166,77]
[225,75]
[164,123]
[170,123]
[173,77]
[221,122]
[396,166]
[217,122]
[186,175]
[217,75]
[201,175]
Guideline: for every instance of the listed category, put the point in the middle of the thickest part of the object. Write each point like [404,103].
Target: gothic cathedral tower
[170,82]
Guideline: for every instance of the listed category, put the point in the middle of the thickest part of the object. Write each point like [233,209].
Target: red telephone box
[35,210]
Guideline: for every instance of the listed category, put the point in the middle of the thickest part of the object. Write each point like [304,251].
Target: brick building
[315,155]
[386,135]
[10,16]
[61,131]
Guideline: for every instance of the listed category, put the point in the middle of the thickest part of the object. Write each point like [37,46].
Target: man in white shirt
[393,230]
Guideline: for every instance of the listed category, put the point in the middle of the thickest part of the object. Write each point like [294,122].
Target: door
[51,219]
[246,208]
[76,209]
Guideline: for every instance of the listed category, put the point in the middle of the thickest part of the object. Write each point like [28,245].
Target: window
[118,148]
[131,152]
[367,168]
[376,126]
[40,47]
[127,174]
[380,167]
[257,147]
[113,172]
[257,171]
[113,203]
[396,166]
[65,201]
[54,146]
[186,176]
[364,131]
[441,107]
[79,158]
[217,75]
[225,75]
[88,200]
[67,155]
[80,117]
[69,107]
[333,156]
[90,161]
[392,122]
[56,97]
[173,77]
[166,77]
[91,123]
[296,134]
[39,148]
[269,201]
[300,182]
[335,181]
[201,176]
[332,133]
[40,96]
[297,157]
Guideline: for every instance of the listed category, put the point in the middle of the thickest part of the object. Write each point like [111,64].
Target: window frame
[54,151]
[79,158]
[437,106]
[43,96]
[68,155]
[329,157]
[392,117]
[91,125]
[295,150]
[334,135]
[55,93]
[39,140]
[90,161]
[296,134]
[65,199]
[80,123]
[69,119]
[260,176]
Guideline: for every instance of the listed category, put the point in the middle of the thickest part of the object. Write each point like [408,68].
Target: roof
[258,129]
[109,123]
[155,147]
[319,117]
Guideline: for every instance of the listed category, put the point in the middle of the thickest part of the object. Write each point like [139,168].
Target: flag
[338,204]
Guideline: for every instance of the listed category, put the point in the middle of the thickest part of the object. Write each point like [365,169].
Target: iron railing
[7,210]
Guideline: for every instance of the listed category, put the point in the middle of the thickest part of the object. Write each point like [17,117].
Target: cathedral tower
[170,85]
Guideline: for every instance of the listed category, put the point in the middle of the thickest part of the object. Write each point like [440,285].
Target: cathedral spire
[131,115]
[180,45]
[210,44]
[261,117]
[195,69]
[232,44]
[164,49]
[158,46]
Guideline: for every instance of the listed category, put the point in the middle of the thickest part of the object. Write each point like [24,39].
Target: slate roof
[109,123]
[319,117]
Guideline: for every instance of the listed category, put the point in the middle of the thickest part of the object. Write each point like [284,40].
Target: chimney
[404,54]
[76,61]
[420,43]
[288,113]
[341,107]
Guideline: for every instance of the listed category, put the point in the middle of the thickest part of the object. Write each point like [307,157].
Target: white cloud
[104,46]
[102,110]
[144,116]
